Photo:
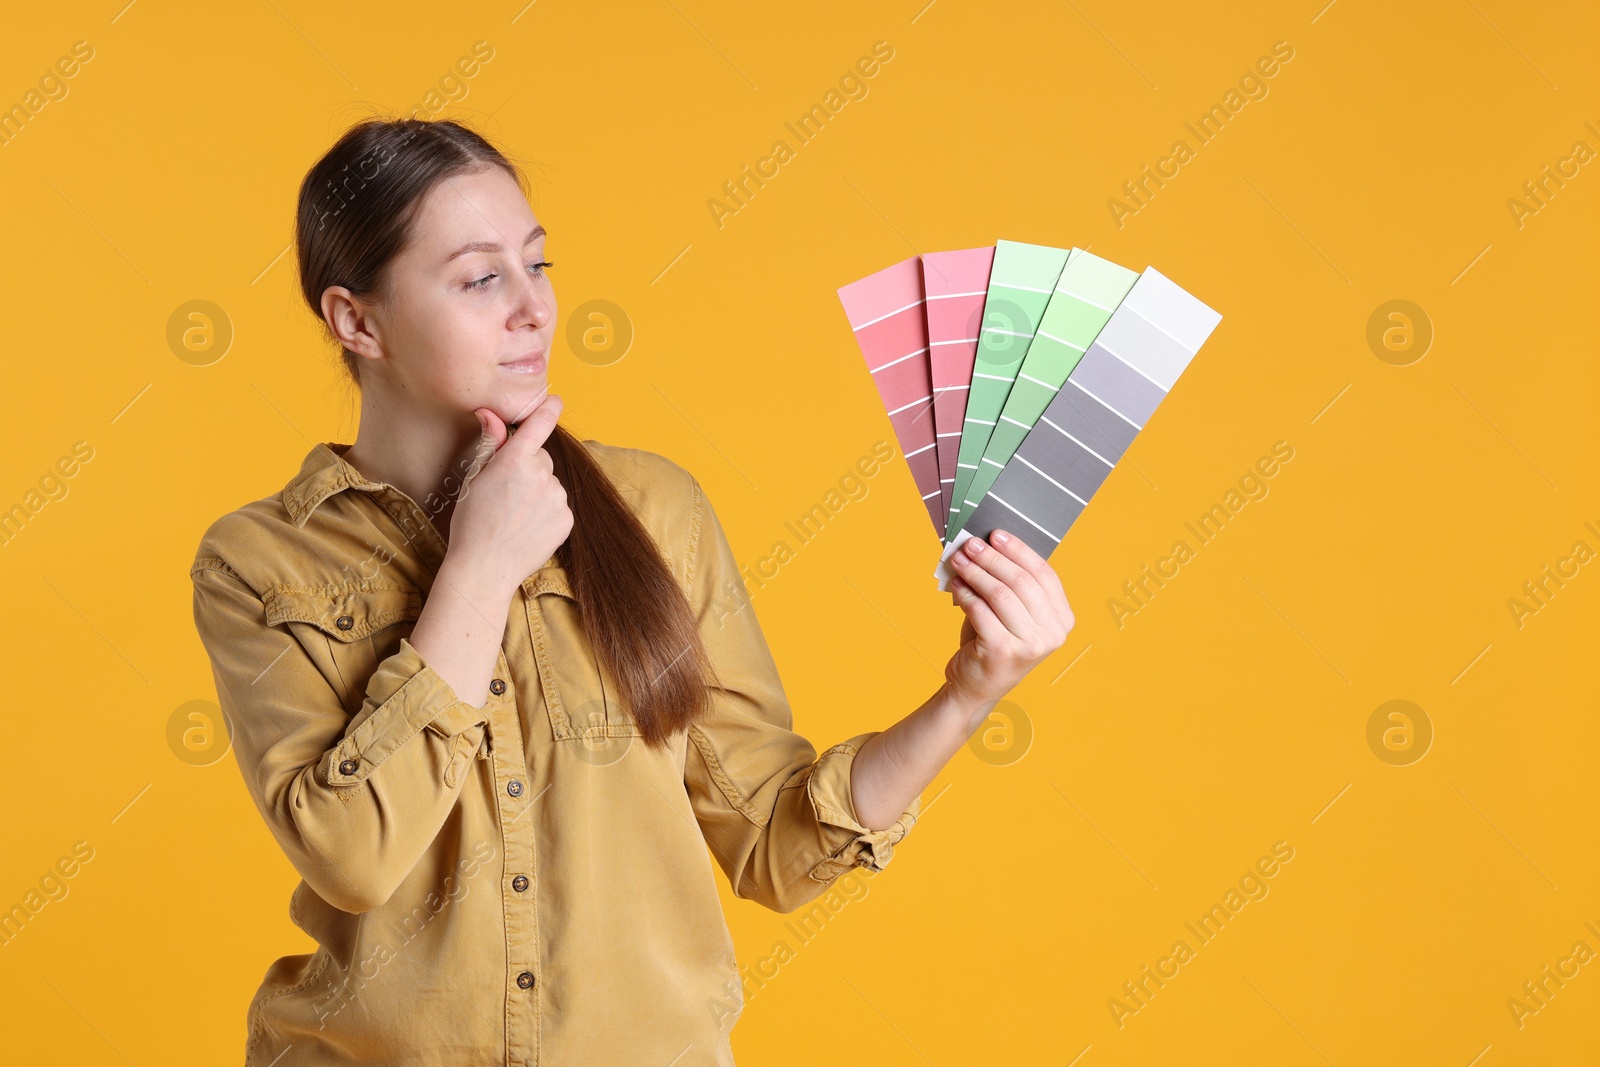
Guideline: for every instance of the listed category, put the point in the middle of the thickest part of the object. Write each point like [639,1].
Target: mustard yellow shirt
[520,883]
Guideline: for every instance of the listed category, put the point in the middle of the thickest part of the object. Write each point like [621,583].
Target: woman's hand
[512,514]
[1016,615]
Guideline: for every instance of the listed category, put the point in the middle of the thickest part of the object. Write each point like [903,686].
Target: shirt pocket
[348,629]
[581,699]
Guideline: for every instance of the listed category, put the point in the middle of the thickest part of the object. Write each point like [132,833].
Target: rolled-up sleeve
[354,801]
[778,817]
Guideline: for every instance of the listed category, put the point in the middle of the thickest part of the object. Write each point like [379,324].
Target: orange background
[1167,754]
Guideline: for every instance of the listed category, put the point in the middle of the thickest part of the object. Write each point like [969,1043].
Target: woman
[496,690]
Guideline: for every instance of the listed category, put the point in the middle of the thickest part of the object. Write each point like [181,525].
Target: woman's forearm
[460,630]
[894,767]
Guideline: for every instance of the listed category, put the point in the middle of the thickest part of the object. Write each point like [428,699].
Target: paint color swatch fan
[1016,376]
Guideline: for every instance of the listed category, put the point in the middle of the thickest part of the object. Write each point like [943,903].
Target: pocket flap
[345,614]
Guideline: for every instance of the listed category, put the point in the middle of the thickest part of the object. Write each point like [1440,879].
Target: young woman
[496,690]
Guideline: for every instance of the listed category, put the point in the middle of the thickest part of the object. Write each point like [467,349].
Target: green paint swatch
[1020,287]
[1088,291]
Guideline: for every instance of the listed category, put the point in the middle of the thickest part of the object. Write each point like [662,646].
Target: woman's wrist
[460,630]
[968,712]
[963,714]
[467,577]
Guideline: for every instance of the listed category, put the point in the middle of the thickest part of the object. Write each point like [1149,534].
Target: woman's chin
[522,403]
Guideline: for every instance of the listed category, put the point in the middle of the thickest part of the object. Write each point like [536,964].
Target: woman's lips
[531,365]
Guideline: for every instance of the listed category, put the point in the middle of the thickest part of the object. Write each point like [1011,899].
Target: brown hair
[356,208]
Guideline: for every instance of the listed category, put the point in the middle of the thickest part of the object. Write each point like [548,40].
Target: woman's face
[470,312]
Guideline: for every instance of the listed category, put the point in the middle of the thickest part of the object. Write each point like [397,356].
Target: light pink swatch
[886,312]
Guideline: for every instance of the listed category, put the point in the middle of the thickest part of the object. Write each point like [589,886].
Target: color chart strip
[956,284]
[1020,285]
[1087,428]
[885,312]
[1089,290]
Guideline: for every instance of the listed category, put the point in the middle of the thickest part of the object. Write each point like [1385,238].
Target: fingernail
[999,537]
[975,545]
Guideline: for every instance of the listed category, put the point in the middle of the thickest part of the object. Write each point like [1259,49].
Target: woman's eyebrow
[491,246]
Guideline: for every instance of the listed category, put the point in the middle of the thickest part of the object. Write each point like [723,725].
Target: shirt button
[520,883]
[349,766]
[497,687]
[514,787]
[344,622]
[525,979]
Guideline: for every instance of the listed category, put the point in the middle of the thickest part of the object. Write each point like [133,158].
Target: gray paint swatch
[1106,401]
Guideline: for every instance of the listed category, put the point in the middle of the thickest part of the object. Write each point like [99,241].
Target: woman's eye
[537,268]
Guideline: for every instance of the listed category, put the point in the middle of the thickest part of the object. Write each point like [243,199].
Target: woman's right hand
[512,514]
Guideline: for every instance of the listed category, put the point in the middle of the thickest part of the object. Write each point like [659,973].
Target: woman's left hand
[1016,615]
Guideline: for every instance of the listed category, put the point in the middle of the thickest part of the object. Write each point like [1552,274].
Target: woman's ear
[352,322]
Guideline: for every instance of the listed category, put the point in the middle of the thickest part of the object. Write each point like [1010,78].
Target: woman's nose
[533,305]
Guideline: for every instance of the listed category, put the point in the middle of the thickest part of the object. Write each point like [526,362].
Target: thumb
[492,437]
[494,429]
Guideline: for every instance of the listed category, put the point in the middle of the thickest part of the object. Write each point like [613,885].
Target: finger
[982,617]
[1025,556]
[1019,551]
[1017,597]
[1055,611]
[1000,597]
[527,409]
[535,430]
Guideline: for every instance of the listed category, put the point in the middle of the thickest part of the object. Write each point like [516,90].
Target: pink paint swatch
[886,312]
[955,284]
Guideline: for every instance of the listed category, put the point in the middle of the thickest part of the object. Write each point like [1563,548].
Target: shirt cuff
[829,790]
[407,696]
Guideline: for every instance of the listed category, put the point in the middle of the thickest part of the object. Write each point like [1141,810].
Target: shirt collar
[324,473]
